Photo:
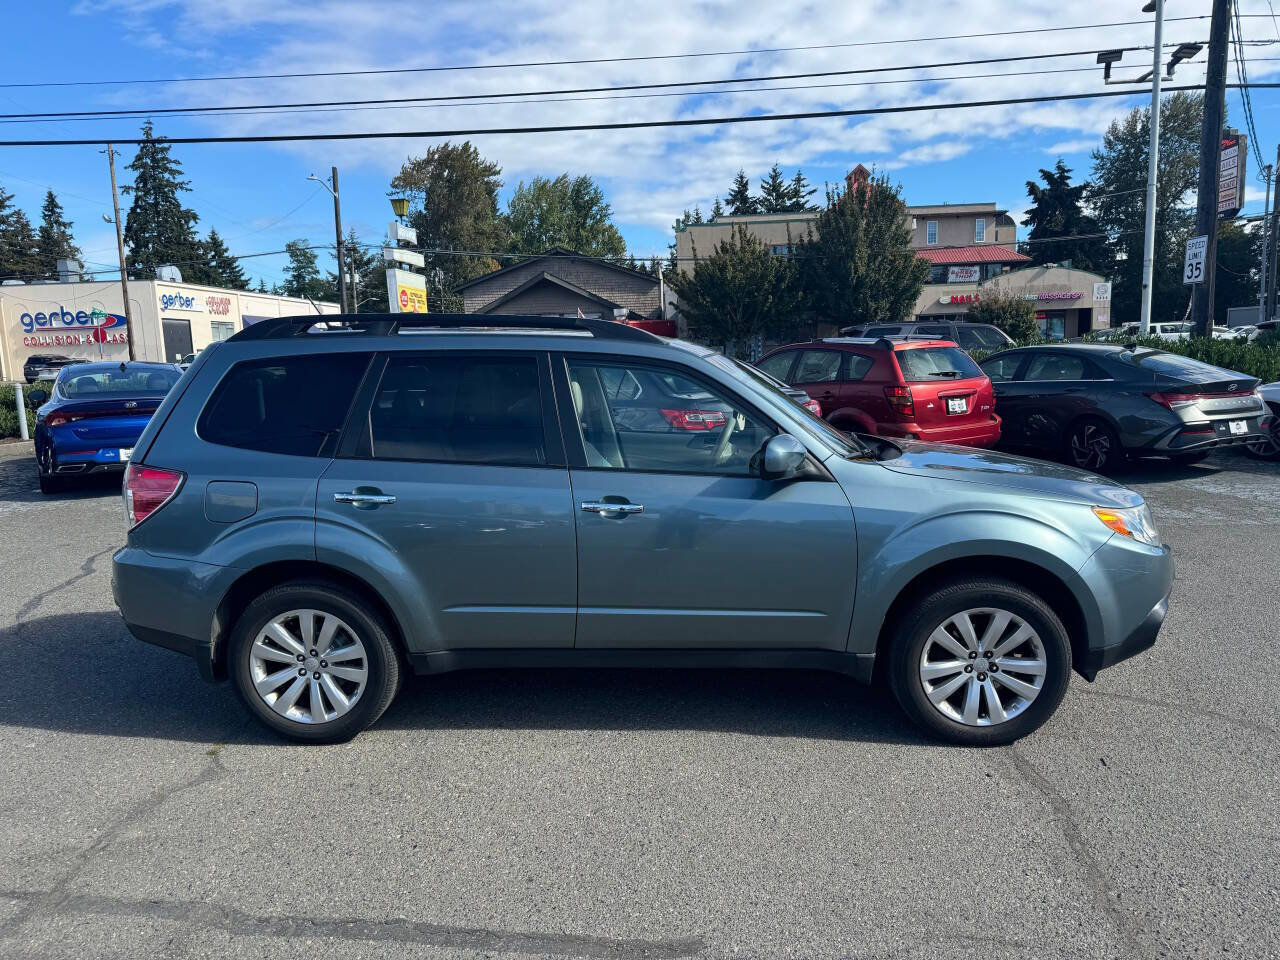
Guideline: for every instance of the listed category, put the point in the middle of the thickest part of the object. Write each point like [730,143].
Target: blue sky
[257,197]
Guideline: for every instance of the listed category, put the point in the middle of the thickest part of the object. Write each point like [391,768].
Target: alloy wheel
[308,666]
[1268,447]
[983,666]
[1090,446]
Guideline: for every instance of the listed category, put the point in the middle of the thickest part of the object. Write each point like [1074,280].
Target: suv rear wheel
[982,662]
[313,662]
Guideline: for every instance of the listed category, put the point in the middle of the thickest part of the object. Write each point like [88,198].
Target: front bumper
[1143,637]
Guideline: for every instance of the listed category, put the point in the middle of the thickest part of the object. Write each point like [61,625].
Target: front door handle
[611,509]
[359,498]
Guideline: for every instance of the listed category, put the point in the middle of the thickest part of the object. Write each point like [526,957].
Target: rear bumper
[1215,432]
[986,434]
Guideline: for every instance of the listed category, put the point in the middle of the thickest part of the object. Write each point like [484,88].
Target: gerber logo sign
[177,301]
[60,327]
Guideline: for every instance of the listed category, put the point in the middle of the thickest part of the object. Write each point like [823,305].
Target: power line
[1237,50]
[597,60]
[156,111]
[619,125]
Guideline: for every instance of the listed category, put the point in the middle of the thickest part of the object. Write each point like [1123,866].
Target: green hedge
[1261,360]
[9,412]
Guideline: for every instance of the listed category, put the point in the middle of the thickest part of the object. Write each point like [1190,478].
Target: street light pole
[1153,160]
[337,227]
[1267,240]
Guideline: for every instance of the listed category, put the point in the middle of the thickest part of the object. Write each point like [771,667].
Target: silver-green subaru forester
[321,506]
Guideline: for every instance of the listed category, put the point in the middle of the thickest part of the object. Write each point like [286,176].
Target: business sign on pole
[406,292]
[1193,266]
[963,274]
[1231,175]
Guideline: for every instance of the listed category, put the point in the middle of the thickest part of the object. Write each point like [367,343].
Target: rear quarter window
[290,405]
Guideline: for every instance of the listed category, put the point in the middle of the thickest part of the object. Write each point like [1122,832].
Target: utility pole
[1215,91]
[1269,306]
[124,273]
[337,227]
[1153,161]
[1266,244]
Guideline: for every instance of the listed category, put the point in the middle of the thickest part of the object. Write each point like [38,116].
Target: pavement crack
[1261,728]
[56,898]
[86,571]
[1104,891]
[211,916]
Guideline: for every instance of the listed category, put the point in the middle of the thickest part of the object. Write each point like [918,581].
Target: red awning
[948,256]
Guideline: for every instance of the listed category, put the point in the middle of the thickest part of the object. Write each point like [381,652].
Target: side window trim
[576,453]
[357,438]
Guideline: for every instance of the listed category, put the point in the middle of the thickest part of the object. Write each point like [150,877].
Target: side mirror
[37,397]
[783,456]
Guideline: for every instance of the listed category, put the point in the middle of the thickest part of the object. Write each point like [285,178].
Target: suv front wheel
[313,662]
[982,662]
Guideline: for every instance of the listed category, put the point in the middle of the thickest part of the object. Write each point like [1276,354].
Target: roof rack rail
[390,324]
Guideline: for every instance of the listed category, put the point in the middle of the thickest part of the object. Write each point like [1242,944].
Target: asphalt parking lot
[622,814]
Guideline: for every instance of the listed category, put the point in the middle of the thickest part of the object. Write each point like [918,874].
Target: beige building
[87,319]
[1068,302]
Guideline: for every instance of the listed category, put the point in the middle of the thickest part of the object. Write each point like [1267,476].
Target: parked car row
[1091,405]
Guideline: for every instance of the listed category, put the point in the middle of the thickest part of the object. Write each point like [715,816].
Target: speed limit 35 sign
[1193,267]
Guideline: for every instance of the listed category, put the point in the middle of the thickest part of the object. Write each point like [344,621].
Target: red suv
[914,389]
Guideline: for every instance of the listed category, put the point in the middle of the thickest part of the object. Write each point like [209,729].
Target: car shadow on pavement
[20,482]
[83,673]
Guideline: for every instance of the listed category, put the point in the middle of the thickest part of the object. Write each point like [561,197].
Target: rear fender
[852,419]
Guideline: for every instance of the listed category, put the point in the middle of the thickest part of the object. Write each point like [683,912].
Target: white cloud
[1064,147]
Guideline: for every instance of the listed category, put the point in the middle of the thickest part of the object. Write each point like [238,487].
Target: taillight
[695,419]
[901,401]
[1175,401]
[147,489]
[58,419]
[813,407]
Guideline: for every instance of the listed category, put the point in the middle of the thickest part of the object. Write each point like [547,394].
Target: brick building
[561,283]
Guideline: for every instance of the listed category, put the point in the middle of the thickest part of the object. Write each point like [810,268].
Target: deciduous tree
[1011,313]
[564,212]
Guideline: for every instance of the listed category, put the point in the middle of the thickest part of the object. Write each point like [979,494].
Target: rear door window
[934,364]
[484,409]
[290,405]
[856,367]
[1004,368]
[817,366]
[1057,366]
[779,365]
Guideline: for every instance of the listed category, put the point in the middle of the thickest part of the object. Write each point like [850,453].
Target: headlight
[1134,522]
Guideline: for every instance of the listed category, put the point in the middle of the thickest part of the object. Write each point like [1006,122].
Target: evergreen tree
[370,283]
[697,214]
[740,201]
[17,242]
[798,194]
[861,267]
[737,293]
[1056,211]
[302,277]
[158,229]
[225,268]
[775,194]
[717,210]
[53,241]
[1118,197]
[262,286]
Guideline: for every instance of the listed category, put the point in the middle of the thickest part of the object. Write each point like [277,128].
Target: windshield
[97,383]
[844,445]
[936,363]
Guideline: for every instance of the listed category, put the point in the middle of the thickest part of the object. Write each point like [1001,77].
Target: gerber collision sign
[59,327]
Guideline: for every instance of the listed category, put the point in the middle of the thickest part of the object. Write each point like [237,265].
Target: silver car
[319,508]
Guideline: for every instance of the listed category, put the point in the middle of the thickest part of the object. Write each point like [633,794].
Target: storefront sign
[407,292]
[1102,291]
[180,301]
[958,298]
[964,274]
[1054,295]
[218,306]
[63,328]
[1231,176]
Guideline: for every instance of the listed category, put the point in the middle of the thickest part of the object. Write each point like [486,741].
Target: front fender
[978,533]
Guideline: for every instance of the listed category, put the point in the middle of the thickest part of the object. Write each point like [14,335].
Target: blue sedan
[94,418]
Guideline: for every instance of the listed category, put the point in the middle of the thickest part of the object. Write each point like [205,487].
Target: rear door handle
[359,497]
[605,509]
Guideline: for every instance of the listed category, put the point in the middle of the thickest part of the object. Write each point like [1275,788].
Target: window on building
[221,329]
[980,230]
[291,405]
[931,232]
[484,409]
[780,249]
[992,270]
[937,274]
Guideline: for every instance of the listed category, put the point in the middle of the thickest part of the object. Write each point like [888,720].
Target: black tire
[382,660]
[1268,449]
[1091,444]
[1188,459]
[934,609]
[51,484]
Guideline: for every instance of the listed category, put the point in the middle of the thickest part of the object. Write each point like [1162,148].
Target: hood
[1020,475]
